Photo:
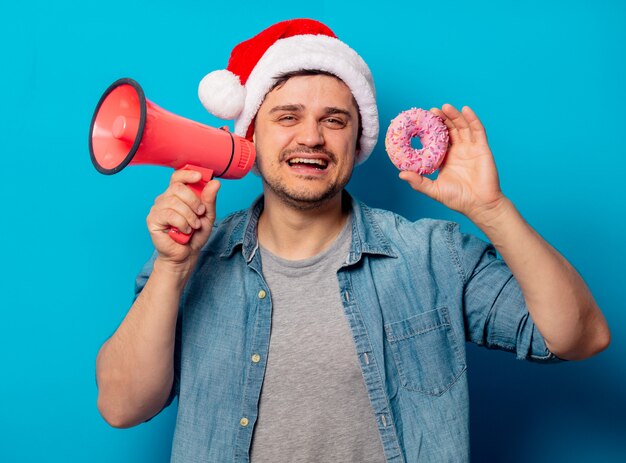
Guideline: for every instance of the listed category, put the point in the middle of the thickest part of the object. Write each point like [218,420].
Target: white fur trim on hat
[222,94]
[317,52]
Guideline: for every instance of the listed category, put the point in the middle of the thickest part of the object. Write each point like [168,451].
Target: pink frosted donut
[432,133]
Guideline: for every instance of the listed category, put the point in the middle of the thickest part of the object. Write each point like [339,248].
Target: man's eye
[287,118]
[335,122]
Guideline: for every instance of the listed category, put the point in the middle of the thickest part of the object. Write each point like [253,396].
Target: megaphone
[128,129]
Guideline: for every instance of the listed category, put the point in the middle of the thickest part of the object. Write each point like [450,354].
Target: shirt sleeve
[495,311]
[140,282]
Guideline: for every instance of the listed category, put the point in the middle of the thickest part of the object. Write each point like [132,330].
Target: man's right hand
[179,207]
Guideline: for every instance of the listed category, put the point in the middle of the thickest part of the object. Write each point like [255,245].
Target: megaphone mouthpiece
[125,128]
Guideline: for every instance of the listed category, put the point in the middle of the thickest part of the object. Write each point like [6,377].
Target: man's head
[256,65]
[306,136]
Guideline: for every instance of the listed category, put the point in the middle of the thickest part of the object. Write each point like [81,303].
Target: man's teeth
[319,162]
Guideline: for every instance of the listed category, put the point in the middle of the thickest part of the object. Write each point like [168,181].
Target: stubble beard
[303,199]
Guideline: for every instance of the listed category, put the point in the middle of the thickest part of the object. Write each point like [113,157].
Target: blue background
[546,78]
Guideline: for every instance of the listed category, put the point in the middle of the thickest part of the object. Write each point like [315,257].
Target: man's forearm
[558,299]
[135,366]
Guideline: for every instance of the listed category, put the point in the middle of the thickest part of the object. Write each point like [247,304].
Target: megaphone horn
[128,129]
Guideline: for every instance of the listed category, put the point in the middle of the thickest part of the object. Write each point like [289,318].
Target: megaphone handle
[207,175]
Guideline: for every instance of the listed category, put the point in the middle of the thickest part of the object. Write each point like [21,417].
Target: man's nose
[310,133]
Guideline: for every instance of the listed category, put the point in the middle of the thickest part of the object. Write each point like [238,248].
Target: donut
[433,135]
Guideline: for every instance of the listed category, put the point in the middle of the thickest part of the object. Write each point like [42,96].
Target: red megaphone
[126,128]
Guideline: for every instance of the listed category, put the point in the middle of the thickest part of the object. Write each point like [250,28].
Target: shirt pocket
[426,353]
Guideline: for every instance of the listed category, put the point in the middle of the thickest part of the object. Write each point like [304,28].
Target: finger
[183,208]
[186,195]
[453,132]
[209,197]
[420,183]
[185,176]
[164,219]
[458,120]
[438,112]
[478,133]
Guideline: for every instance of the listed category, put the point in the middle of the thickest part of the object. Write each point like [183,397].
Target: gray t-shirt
[314,405]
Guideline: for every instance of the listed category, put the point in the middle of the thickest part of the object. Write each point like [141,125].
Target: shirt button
[256,358]
[262,294]
[243,422]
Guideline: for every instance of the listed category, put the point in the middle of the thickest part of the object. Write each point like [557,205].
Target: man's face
[305,135]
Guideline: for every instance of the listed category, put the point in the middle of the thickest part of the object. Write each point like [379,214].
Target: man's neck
[296,234]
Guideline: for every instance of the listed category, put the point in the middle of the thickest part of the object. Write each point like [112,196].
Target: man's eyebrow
[332,110]
[300,107]
[287,107]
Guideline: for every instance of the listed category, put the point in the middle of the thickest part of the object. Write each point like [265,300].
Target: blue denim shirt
[412,292]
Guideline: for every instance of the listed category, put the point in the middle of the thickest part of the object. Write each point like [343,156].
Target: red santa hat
[238,91]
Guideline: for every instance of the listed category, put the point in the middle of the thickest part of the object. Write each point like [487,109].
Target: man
[311,327]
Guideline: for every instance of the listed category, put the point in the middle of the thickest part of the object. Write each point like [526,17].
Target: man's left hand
[468,180]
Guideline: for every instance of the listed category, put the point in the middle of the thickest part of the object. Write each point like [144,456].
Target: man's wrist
[493,215]
[175,272]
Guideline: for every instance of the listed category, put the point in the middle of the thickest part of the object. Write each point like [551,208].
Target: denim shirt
[412,292]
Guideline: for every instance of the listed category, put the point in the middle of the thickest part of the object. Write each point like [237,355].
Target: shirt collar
[367,236]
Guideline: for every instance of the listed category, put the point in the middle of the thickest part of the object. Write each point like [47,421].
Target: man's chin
[303,195]
[307,203]
[305,200]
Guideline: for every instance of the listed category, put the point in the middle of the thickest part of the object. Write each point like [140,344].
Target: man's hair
[281,79]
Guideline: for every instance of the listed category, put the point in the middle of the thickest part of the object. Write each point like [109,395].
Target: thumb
[420,183]
[208,198]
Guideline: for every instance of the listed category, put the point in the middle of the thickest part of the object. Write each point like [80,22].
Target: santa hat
[298,44]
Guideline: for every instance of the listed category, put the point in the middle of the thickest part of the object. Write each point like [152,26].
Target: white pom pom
[222,94]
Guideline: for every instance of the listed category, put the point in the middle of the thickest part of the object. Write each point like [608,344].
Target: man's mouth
[320,164]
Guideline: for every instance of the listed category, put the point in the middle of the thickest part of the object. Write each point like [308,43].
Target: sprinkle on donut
[433,135]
